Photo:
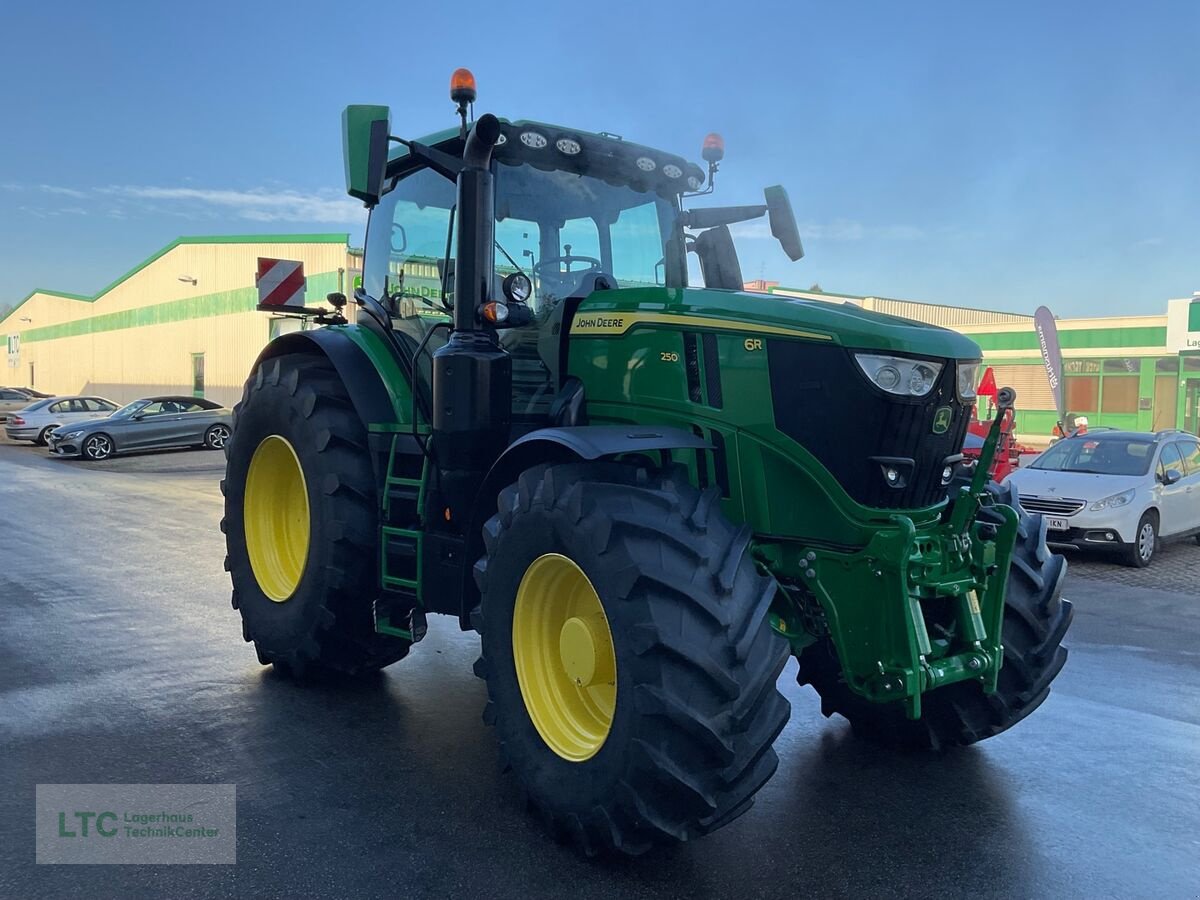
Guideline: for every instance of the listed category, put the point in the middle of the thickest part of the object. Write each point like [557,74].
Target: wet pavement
[122,661]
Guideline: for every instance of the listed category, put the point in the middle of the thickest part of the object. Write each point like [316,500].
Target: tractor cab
[573,213]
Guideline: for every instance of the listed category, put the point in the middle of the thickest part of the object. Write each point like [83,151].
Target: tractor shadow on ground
[842,816]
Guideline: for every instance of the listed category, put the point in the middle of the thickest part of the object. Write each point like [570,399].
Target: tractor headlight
[1116,501]
[900,375]
[968,378]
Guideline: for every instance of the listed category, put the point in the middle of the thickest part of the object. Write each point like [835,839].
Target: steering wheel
[552,267]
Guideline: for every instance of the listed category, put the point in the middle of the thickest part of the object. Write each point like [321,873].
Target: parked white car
[40,417]
[1116,490]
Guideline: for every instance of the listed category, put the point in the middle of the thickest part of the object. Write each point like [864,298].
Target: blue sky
[995,155]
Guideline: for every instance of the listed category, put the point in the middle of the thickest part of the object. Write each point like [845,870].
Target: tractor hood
[612,312]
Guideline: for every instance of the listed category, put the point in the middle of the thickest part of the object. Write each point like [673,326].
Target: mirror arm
[713,216]
[443,163]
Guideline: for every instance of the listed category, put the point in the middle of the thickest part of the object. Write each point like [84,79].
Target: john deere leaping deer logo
[941,420]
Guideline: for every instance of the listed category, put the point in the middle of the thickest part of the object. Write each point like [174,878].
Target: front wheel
[1138,554]
[1036,618]
[629,659]
[44,437]
[98,447]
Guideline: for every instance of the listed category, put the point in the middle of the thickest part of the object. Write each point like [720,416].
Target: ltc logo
[941,420]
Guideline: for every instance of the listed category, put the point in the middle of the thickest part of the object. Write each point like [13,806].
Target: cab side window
[1191,456]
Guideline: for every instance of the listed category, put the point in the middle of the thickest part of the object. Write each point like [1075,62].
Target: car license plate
[1055,524]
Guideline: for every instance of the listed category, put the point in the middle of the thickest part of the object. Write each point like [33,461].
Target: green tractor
[644,496]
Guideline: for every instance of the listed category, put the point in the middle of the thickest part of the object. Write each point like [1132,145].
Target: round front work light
[462,86]
[693,183]
[533,140]
[672,171]
[646,164]
[568,146]
[517,287]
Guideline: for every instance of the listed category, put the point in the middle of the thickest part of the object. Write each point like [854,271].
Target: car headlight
[1114,502]
[68,435]
[900,375]
[968,377]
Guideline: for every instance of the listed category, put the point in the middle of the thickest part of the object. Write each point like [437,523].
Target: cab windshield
[562,229]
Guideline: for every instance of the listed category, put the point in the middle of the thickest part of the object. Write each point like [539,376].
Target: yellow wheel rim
[275,512]
[563,650]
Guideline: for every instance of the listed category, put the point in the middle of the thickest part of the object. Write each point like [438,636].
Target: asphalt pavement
[121,661]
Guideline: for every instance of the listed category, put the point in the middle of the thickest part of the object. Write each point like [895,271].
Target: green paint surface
[1077,339]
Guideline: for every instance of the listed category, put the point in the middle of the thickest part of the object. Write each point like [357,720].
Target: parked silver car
[40,417]
[152,423]
[11,400]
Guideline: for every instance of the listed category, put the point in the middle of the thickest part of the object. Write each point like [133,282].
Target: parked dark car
[152,423]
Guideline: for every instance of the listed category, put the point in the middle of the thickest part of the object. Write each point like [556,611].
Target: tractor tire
[1035,620]
[676,739]
[301,522]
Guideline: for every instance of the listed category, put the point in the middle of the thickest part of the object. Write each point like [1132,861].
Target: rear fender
[366,384]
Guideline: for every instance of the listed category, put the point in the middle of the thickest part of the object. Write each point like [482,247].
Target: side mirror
[718,259]
[137,417]
[365,131]
[783,221]
[1171,476]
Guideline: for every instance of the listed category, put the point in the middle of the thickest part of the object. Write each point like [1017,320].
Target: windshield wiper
[500,247]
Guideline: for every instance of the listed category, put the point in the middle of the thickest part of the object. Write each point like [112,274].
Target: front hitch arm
[964,510]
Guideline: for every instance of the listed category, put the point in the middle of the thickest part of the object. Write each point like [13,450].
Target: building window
[197,374]
[1168,364]
[1083,393]
[1122,366]
[1120,395]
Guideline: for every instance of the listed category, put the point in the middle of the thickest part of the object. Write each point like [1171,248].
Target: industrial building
[1131,372]
[184,321]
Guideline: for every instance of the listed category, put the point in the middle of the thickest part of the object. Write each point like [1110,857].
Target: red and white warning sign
[280,282]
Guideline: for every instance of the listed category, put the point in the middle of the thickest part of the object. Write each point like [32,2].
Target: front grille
[823,401]
[1052,506]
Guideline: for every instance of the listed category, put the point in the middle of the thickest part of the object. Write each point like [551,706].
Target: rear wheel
[1139,554]
[215,437]
[301,521]
[44,437]
[98,447]
[1035,620]
[628,656]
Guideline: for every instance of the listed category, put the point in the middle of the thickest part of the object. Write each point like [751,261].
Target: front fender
[558,445]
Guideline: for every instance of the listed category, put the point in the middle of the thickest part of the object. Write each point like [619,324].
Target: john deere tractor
[644,495]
